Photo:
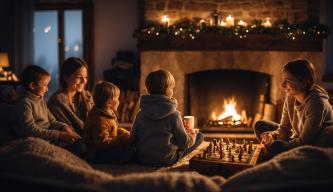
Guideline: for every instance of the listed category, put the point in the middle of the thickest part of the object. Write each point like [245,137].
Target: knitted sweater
[34,119]
[158,132]
[307,122]
[101,131]
[65,112]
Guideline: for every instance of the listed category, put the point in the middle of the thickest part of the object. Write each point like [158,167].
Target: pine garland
[191,30]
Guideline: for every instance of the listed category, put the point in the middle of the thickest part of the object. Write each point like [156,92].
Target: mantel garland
[191,30]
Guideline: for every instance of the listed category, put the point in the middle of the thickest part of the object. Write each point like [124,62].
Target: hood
[30,95]
[316,93]
[157,106]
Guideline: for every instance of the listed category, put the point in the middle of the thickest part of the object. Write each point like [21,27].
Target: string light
[192,30]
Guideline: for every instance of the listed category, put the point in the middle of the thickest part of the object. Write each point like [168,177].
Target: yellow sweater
[101,131]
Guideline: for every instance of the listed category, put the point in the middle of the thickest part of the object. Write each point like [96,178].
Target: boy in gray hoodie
[158,132]
[307,117]
[31,112]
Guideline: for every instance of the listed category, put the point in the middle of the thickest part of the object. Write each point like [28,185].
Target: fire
[230,114]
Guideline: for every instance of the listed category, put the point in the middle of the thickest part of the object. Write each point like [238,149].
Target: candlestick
[267,24]
[215,18]
[230,21]
[165,19]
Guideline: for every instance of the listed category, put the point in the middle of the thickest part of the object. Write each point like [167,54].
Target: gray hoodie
[158,132]
[307,122]
[34,119]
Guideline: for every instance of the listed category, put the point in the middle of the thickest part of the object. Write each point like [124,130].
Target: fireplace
[226,100]
[263,68]
[222,57]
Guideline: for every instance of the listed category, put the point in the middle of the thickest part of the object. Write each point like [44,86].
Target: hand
[67,137]
[267,138]
[70,131]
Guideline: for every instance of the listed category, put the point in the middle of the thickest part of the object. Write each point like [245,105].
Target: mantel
[215,42]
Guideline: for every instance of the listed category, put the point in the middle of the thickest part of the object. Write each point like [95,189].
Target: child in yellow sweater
[107,143]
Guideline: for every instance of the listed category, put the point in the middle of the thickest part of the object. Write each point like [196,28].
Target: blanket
[34,160]
[304,168]
[181,165]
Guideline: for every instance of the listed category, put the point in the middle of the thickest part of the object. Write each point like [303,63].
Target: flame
[229,111]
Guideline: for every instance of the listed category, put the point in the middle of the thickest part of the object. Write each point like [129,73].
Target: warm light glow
[242,23]
[223,24]
[230,21]
[47,29]
[229,112]
[4,61]
[165,20]
[267,23]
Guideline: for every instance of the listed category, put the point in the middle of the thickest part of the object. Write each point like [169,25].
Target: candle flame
[165,18]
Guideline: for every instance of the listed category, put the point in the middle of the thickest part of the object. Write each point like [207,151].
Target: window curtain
[16,20]
[327,18]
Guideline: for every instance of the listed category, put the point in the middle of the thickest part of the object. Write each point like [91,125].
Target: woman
[307,117]
[71,103]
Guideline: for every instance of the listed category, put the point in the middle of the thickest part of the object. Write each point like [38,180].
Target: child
[307,117]
[107,143]
[31,112]
[158,132]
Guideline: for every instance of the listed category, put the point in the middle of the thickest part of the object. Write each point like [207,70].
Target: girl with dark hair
[307,117]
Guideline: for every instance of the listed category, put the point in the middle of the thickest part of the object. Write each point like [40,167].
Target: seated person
[71,103]
[158,132]
[106,142]
[307,117]
[31,112]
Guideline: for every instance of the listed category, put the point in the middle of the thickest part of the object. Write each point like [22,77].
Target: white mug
[189,122]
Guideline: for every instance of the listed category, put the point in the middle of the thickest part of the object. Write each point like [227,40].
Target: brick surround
[294,11]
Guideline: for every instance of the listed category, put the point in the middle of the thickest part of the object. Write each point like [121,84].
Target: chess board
[226,157]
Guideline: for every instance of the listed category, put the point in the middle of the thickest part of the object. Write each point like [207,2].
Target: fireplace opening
[227,100]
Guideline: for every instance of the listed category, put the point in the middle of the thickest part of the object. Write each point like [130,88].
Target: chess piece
[232,158]
[215,142]
[240,157]
[205,154]
[251,145]
[221,154]
[240,149]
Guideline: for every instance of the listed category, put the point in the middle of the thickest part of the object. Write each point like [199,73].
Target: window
[59,34]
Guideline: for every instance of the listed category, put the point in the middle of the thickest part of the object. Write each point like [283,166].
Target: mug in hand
[188,122]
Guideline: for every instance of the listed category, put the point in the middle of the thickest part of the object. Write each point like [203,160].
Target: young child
[107,143]
[158,132]
[31,112]
[307,117]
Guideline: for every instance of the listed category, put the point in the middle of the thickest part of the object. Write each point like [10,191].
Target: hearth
[227,100]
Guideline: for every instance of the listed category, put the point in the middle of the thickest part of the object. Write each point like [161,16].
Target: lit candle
[165,19]
[230,21]
[242,23]
[223,24]
[267,24]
